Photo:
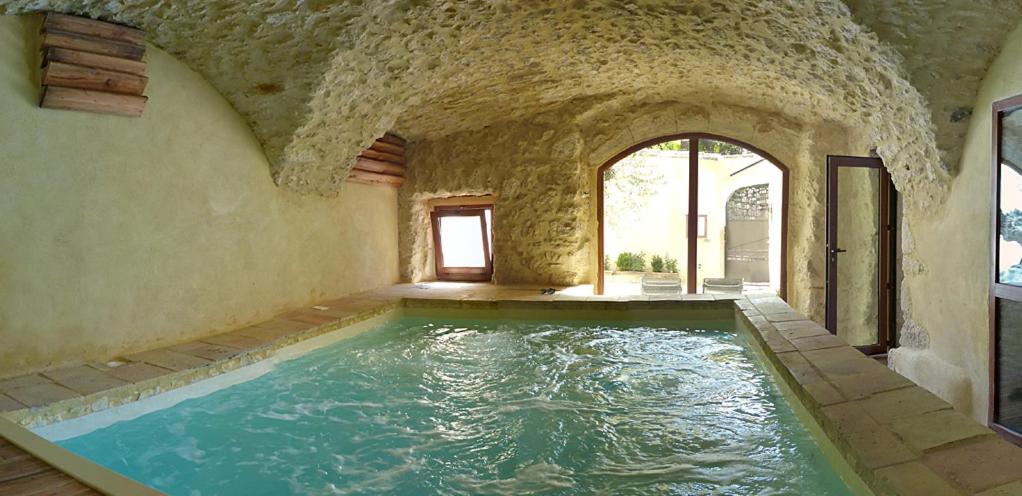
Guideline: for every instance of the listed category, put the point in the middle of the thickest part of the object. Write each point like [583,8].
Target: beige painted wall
[947,263]
[121,234]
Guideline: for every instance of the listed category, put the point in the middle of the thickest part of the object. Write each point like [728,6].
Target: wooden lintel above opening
[383,156]
[94,60]
[89,78]
[91,27]
[382,164]
[57,97]
[92,44]
[373,178]
[92,66]
[370,165]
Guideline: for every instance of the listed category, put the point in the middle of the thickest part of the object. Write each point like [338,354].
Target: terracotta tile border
[61,394]
[899,438]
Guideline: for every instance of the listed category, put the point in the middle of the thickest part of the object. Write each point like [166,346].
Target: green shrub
[670,265]
[657,263]
[631,261]
[606,262]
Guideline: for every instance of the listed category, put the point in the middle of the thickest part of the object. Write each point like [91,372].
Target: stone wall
[318,81]
[121,234]
[543,174]
[749,203]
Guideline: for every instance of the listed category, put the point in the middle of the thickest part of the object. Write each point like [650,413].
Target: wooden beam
[87,78]
[363,177]
[370,165]
[393,139]
[383,146]
[56,97]
[107,30]
[92,44]
[54,54]
[692,229]
[383,156]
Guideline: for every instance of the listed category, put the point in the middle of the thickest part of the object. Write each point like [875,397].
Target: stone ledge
[901,439]
[61,394]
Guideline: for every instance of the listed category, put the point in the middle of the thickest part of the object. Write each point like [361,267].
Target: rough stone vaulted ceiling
[319,80]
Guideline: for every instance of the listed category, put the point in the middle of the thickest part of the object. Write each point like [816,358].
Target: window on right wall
[1006,276]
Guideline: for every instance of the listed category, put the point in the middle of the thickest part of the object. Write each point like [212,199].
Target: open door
[860,248]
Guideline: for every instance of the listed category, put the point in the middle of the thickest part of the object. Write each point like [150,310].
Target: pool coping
[897,437]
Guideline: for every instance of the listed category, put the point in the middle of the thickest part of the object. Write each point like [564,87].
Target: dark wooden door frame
[692,225]
[998,290]
[478,274]
[885,249]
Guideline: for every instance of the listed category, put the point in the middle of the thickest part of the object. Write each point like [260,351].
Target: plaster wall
[121,234]
[543,171]
[947,261]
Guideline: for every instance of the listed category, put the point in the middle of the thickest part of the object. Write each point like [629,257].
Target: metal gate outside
[747,234]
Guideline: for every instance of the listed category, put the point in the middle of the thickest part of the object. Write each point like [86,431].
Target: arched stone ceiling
[319,80]
[947,47]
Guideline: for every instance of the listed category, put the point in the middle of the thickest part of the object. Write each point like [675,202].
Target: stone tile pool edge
[896,436]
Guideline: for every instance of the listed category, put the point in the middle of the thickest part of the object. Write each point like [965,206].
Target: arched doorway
[711,169]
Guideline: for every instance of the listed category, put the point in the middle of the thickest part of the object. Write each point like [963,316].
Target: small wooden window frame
[476,274]
[702,221]
[998,291]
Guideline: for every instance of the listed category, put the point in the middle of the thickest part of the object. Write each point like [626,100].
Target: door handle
[837,250]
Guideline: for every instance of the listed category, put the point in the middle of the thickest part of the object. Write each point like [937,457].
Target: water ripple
[488,408]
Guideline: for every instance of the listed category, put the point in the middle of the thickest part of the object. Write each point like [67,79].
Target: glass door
[740,221]
[1006,278]
[646,204]
[692,213]
[860,225]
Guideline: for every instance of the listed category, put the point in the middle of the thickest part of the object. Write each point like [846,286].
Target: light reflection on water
[484,407]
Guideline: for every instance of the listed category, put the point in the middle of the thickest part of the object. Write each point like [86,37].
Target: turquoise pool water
[460,407]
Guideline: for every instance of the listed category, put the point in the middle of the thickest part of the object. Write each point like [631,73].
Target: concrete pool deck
[899,438]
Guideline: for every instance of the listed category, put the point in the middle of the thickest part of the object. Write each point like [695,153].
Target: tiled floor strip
[22,473]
